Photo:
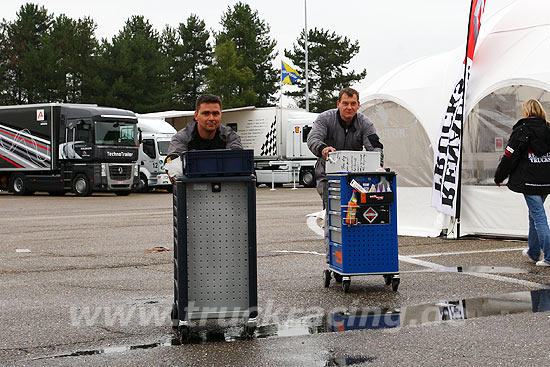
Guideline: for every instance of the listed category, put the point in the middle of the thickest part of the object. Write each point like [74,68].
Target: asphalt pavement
[89,281]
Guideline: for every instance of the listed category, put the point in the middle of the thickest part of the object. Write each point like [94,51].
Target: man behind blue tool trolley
[342,128]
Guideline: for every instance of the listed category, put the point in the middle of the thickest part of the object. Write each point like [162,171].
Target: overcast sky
[390,32]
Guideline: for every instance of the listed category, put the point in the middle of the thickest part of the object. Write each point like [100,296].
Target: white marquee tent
[511,64]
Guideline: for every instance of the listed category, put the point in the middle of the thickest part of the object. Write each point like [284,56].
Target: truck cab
[59,148]
[156,135]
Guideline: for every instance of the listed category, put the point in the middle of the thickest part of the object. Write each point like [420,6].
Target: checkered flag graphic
[269,147]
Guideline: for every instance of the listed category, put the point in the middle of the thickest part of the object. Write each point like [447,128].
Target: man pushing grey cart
[215,273]
[205,132]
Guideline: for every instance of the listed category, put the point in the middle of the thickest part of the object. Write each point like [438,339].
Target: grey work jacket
[181,139]
[327,131]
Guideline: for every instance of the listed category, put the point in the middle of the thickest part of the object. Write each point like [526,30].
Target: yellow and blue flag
[288,74]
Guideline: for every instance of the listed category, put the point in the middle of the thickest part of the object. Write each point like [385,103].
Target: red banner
[475,23]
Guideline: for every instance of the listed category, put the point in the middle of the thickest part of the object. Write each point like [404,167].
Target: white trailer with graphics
[155,136]
[277,135]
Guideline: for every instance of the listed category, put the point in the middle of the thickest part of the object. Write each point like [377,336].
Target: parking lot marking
[298,252]
[435,254]
[412,259]
[54,217]
[501,278]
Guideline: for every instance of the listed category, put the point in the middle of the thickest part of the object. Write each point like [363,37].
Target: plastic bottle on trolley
[352,208]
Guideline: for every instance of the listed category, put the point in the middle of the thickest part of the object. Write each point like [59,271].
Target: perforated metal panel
[217,246]
[215,274]
[370,249]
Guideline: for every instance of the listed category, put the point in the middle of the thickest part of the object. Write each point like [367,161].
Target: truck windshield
[119,133]
[163,146]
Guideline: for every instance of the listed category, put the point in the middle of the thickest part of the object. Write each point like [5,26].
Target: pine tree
[4,58]
[68,50]
[20,65]
[134,69]
[190,54]
[43,59]
[328,57]
[255,48]
[226,79]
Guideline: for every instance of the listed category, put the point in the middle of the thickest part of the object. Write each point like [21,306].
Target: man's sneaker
[527,256]
[543,263]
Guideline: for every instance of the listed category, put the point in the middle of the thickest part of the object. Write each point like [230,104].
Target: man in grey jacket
[205,132]
[342,128]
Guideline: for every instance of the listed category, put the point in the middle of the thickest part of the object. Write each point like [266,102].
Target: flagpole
[281,102]
[306,53]
[459,183]
[281,88]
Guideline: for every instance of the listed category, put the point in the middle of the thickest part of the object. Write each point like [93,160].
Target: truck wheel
[143,185]
[307,178]
[18,185]
[122,193]
[81,185]
[56,193]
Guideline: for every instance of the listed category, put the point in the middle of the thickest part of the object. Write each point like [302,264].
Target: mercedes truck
[59,148]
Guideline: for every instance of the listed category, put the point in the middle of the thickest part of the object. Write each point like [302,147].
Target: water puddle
[349,360]
[387,318]
[377,318]
[118,349]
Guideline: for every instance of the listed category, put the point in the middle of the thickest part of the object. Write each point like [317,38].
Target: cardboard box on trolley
[350,161]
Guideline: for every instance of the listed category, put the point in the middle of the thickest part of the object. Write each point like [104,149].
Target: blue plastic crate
[218,162]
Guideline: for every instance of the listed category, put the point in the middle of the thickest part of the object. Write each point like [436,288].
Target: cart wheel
[345,285]
[326,278]
[249,328]
[183,334]
[395,284]
[250,331]
[338,278]
[388,279]
[174,316]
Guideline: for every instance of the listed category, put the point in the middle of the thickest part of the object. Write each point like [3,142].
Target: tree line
[47,58]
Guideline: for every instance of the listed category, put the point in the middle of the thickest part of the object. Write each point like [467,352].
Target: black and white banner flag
[448,153]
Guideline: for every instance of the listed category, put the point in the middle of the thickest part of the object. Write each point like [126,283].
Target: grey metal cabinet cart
[215,271]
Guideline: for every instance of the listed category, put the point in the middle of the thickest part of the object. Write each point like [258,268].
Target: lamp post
[305,48]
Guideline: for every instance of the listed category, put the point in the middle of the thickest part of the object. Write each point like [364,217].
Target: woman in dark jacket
[526,161]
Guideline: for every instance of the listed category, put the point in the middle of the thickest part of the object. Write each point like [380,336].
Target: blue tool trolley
[215,271]
[362,227]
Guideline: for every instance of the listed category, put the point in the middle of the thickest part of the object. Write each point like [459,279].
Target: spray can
[352,208]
